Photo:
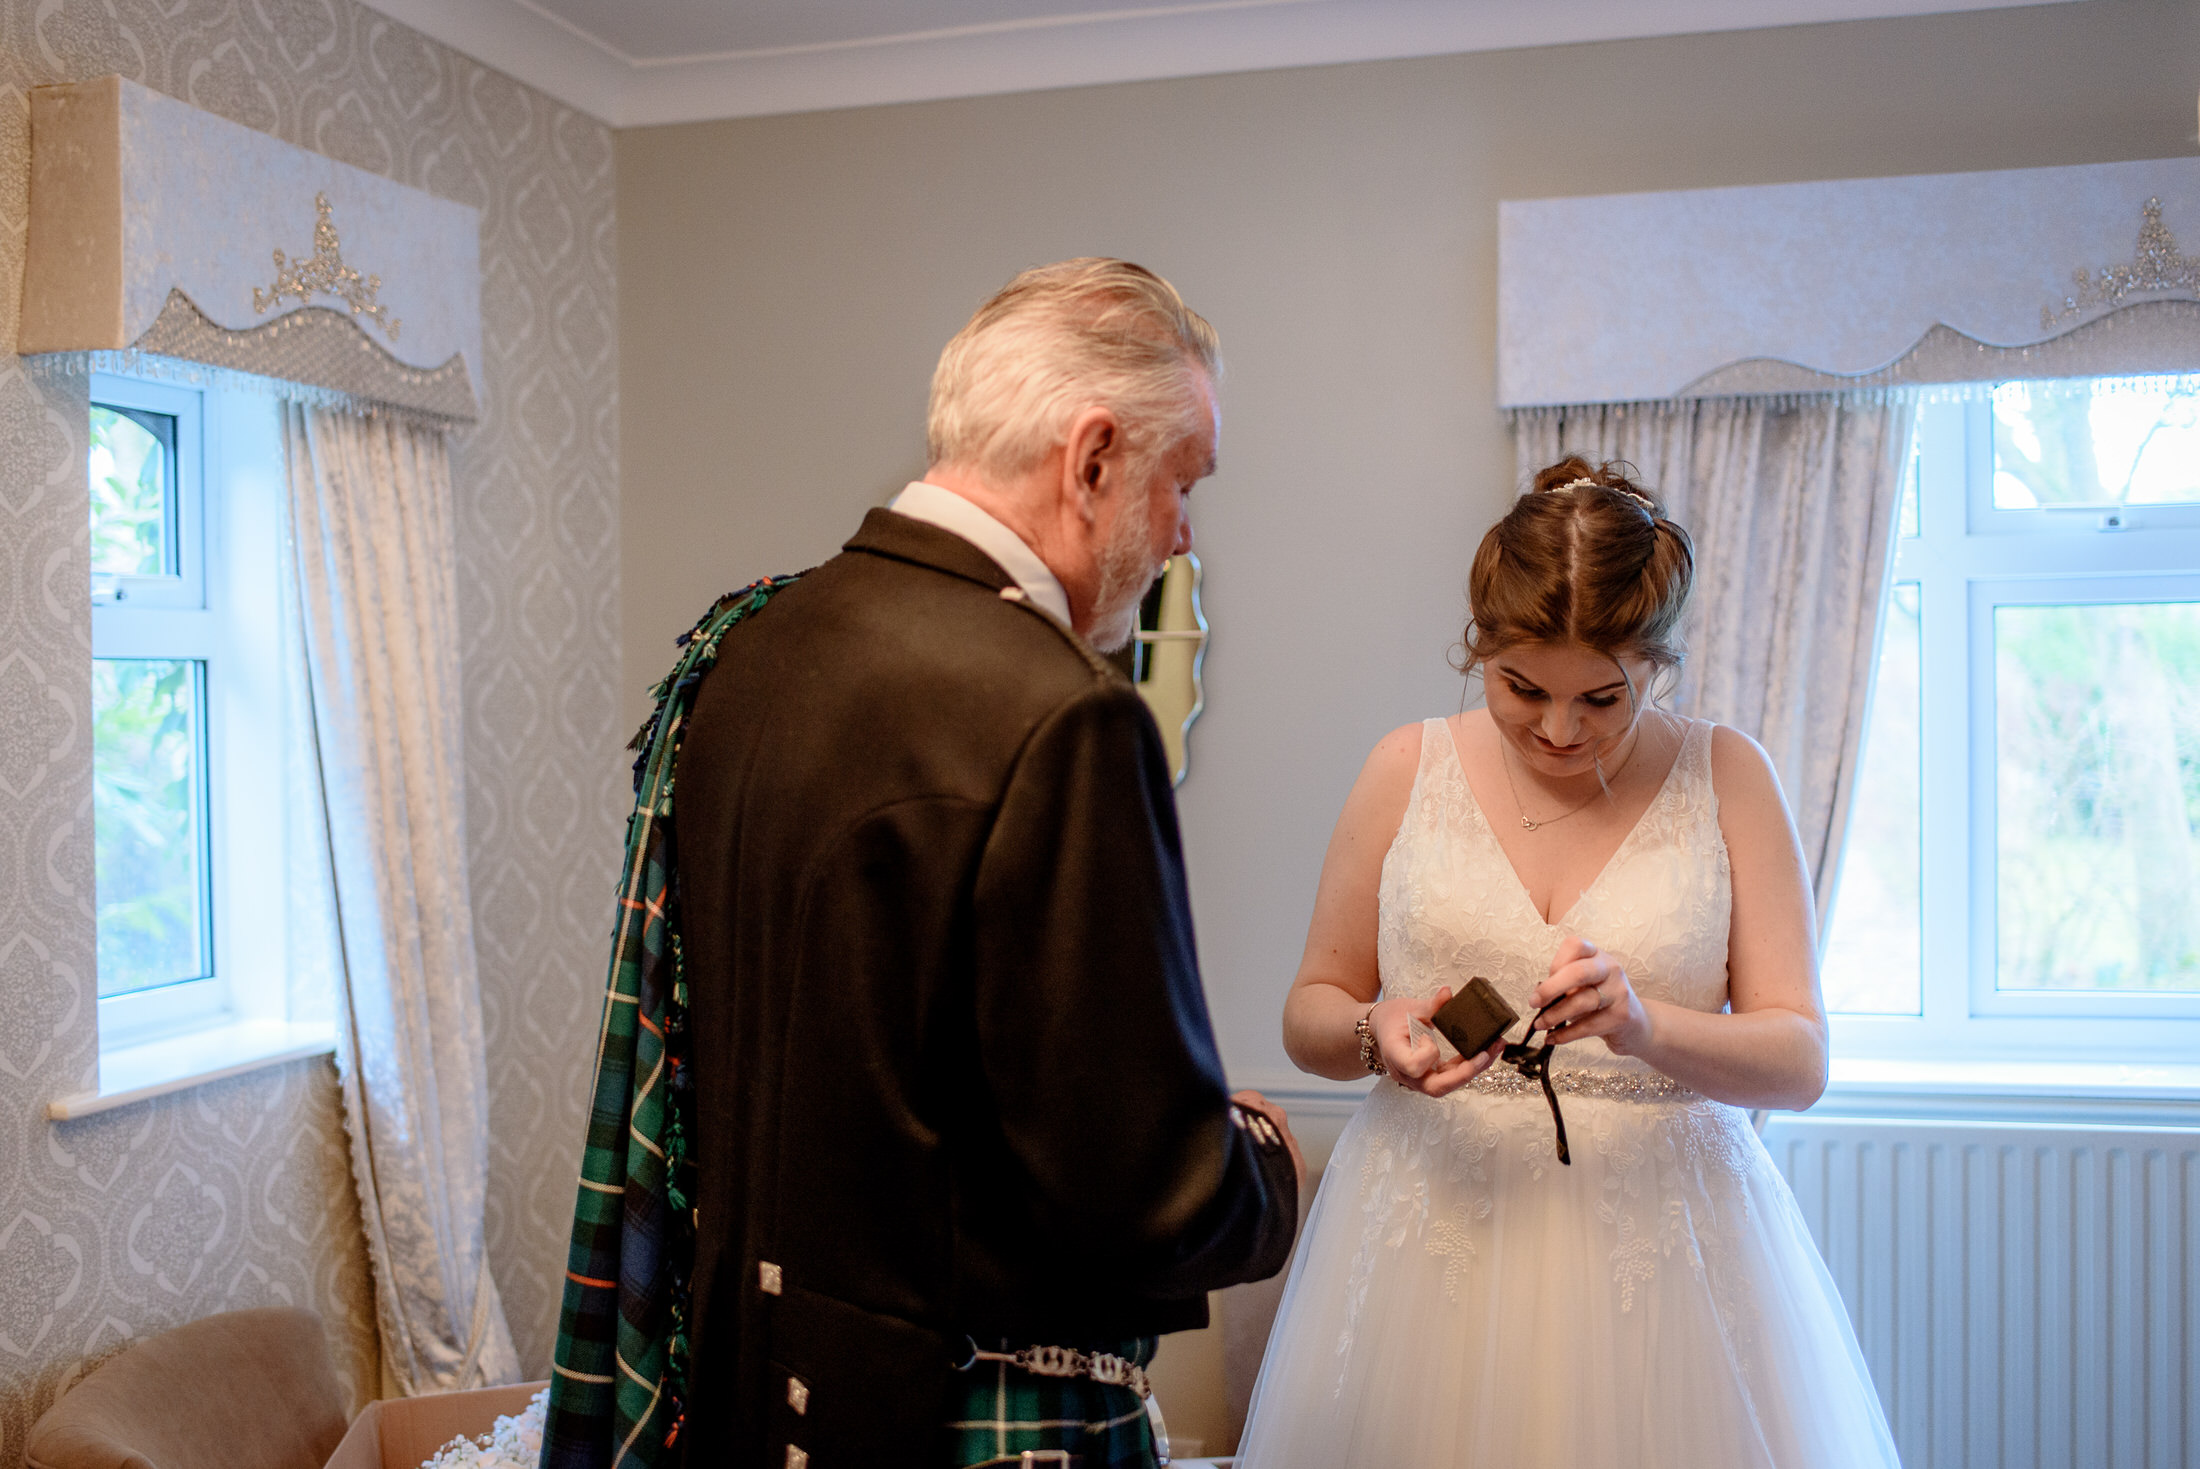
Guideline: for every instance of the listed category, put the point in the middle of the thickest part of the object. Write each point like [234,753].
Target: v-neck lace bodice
[1451,906]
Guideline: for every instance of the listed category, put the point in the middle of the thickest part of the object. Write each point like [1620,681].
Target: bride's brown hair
[1585,557]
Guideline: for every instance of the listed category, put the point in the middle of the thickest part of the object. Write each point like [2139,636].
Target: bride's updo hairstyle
[1586,557]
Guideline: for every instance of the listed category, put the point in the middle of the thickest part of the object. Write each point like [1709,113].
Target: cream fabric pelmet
[1791,502]
[376,589]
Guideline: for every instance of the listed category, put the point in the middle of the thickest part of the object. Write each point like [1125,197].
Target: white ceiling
[638,62]
[681,28]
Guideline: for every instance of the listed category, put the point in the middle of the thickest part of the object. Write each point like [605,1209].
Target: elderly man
[961,1139]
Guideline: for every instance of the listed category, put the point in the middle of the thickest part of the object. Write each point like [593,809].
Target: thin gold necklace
[1504,746]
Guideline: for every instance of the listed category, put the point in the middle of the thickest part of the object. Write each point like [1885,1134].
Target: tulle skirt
[1460,1298]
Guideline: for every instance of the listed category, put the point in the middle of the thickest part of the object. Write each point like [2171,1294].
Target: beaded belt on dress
[1624,1086]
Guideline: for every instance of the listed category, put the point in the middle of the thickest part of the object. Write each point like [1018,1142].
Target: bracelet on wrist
[1371,1055]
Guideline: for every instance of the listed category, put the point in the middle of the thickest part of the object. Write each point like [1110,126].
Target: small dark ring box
[1473,1019]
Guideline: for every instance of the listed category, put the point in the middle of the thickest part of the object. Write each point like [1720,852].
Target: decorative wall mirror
[1164,656]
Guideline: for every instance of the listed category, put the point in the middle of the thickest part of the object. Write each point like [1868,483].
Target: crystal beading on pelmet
[316,346]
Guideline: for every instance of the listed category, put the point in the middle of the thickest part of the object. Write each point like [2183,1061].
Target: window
[149,823]
[186,708]
[148,714]
[2020,875]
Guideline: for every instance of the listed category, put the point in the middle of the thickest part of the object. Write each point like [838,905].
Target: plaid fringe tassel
[618,1372]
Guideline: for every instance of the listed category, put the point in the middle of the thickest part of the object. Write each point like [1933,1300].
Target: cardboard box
[403,1433]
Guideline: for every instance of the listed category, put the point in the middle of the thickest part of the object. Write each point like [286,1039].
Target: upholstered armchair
[241,1390]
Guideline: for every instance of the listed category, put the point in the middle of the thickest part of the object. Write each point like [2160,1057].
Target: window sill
[2054,1092]
[2069,1092]
[135,1073]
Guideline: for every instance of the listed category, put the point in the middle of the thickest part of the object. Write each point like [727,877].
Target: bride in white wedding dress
[1462,1295]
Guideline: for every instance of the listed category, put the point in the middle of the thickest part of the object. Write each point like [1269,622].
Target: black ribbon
[1534,1062]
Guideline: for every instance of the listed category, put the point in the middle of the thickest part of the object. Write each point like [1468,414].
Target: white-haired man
[961,1139]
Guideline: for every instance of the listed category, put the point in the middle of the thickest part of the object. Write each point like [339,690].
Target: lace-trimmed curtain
[1791,502]
[375,597]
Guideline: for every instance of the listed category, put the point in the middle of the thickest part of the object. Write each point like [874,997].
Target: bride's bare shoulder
[1752,808]
[1377,802]
[1396,757]
[1740,768]
[1386,780]
[1401,746]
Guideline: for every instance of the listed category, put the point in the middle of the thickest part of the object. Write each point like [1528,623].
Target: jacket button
[768,1278]
[798,1395]
[796,1459]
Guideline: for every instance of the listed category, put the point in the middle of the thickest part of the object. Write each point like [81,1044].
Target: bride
[1463,1294]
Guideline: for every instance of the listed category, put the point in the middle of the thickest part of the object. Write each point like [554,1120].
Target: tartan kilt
[999,1411]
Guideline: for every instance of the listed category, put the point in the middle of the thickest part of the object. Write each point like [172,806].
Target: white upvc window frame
[226,613]
[1969,558]
[169,616]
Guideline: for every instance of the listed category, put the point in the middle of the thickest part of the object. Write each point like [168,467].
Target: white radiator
[2027,1295]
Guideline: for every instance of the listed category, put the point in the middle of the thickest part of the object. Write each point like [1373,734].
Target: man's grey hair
[1060,339]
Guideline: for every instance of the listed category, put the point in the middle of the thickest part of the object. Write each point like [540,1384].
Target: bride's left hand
[1588,995]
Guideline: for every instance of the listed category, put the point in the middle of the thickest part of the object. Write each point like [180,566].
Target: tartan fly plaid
[998,1411]
[618,1370]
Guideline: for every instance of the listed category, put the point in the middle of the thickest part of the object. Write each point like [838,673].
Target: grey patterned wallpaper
[238,1193]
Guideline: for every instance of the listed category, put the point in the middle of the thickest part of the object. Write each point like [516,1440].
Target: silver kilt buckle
[1105,1368]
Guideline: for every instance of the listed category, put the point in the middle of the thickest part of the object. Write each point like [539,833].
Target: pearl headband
[1590,484]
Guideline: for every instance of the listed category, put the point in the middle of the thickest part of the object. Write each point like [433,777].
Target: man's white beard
[1125,573]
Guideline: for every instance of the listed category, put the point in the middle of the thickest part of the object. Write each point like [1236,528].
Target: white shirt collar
[951,512]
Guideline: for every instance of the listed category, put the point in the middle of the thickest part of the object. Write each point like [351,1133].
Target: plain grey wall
[786,283]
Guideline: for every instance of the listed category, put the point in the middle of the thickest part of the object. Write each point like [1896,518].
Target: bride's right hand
[1415,1060]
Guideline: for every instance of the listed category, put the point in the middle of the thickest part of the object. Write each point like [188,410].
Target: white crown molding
[527,44]
[1142,44]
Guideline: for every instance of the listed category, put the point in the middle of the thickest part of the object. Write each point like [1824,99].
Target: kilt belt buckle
[1105,1368]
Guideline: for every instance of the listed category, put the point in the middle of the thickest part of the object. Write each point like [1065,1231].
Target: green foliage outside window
[2098,770]
[148,824]
[129,484]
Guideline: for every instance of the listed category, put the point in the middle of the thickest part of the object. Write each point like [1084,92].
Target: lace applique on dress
[1450,1240]
[1649,1222]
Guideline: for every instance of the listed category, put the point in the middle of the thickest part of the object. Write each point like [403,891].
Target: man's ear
[1092,455]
